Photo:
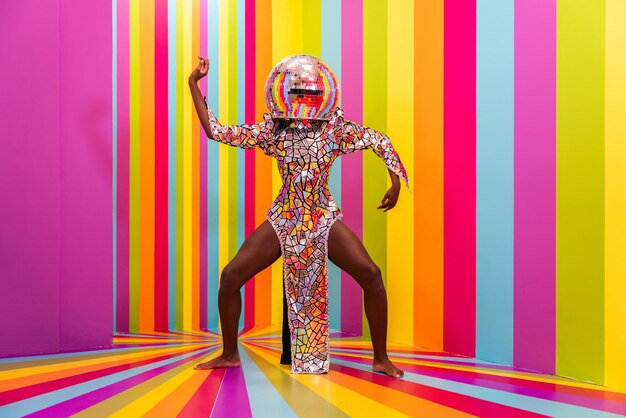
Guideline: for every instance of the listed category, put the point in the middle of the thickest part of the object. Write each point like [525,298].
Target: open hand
[201,70]
[390,198]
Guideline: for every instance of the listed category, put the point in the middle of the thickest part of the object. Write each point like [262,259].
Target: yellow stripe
[224,118]
[400,220]
[287,34]
[187,173]
[312,21]
[150,399]
[615,194]
[350,402]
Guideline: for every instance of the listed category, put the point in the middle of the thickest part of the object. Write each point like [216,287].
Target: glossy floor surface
[153,375]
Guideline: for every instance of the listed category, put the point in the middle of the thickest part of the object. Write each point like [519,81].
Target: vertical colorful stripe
[459,161]
[534,334]
[507,116]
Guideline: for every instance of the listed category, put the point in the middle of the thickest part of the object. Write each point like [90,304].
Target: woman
[305,133]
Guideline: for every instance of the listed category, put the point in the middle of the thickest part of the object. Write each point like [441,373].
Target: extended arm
[355,137]
[200,106]
[241,136]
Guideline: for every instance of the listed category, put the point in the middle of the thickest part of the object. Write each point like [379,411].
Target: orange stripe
[263,164]
[146,176]
[195,182]
[428,177]
[173,403]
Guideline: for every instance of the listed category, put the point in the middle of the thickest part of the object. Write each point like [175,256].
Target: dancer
[305,133]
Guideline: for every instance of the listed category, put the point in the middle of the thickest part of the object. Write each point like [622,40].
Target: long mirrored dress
[304,211]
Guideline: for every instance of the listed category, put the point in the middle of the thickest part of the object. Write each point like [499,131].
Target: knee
[230,279]
[372,279]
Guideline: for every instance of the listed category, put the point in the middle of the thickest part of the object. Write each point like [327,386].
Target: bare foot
[220,362]
[387,367]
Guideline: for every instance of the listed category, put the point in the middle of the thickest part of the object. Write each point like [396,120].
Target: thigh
[259,251]
[346,250]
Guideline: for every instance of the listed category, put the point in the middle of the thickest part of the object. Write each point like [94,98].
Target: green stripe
[135,122]
[179,168]
[580,189]
[312,22]
[374,115]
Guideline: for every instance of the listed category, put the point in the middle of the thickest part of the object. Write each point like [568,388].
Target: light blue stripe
[114,139]
[331,54]
[213,169]
[265,401]
[526,403]
[171,164]
[36,403]
[494,181]
[434,359]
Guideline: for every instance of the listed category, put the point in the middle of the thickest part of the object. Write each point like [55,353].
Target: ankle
[230,355]
[381,358]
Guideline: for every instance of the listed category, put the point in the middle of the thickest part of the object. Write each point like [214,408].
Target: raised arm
[354,137]
[241,136]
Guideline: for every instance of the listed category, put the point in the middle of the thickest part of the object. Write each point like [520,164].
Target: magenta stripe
[232,400]
[535,185]
[123,144]
[352,184]
[161,167]
[87,400]
[249,191]
[204,312]
[460,176]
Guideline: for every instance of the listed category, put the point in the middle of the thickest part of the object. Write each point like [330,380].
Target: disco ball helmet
[302,87]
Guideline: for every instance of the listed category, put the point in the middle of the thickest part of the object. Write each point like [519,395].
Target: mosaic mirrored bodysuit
[304,211]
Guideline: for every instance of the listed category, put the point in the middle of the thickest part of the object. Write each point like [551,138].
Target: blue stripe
[213,170]
[114,139]
[494,181]
[36,403]
[331,54]
[171,164]
[264,398]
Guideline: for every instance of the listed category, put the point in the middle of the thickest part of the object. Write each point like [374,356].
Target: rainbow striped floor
[153,375]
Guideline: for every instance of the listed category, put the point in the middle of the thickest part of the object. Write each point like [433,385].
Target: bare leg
[347,251]
[258,252]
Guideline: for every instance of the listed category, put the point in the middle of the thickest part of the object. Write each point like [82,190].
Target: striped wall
[507,114]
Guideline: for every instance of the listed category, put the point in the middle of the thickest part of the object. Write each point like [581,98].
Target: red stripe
[460,176]
[161,166]
[468,404]
[202,402]
[249,192]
